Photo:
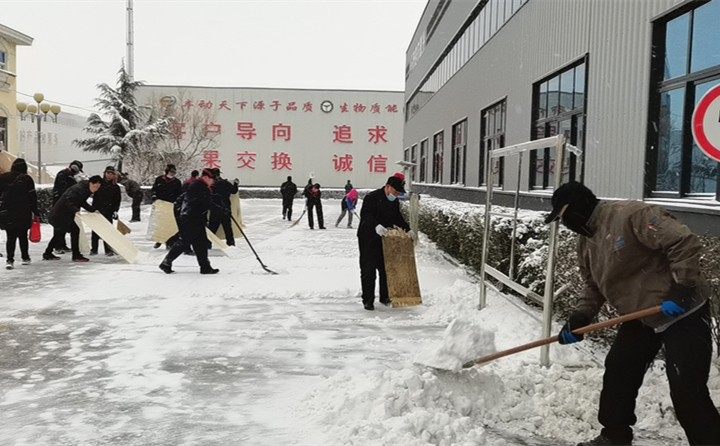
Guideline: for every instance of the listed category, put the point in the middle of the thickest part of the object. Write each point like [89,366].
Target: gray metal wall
[541,39]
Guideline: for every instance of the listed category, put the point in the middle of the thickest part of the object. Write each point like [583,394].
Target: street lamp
[38,113]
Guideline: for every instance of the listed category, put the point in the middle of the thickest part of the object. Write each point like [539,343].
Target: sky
[323,44]
[115,353]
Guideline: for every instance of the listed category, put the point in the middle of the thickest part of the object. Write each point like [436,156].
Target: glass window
[437,158]
[579,91]
[3,62]
[553,94]
[542,101]
[672,105]
[423,159]
[567,85]
[676,49]
[705,48]
[704,170]
[413,159]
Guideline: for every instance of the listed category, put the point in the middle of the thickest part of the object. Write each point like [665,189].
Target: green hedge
[457,229]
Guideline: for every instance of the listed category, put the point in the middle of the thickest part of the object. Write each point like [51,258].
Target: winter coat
[107,198]
[63,213]
[306,190]
[378,210]
[348,187]
[288,189]
[222,191]
[636,254]
[18,196]
[193,207]
[314,195]
[349,201]
[132,187]
[166,188]
[188,182]
[64,180]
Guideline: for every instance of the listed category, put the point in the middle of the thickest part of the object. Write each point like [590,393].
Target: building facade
[261,136]
[619,79]
[9,41]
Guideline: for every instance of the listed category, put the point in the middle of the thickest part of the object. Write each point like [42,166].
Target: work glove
[114,216]
[672,309]
[575,321]
[236,182]
[411,233]
[381,230]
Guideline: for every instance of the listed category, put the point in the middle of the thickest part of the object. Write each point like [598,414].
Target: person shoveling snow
[462,341]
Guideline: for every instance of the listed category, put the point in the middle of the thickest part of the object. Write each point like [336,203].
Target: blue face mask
[391,197]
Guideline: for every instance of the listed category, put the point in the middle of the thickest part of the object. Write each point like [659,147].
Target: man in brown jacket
[634,256]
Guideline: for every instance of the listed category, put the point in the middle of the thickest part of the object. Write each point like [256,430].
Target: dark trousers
[372,259]
[95,239]
[216,221]
[287,207]
[195,237]
[688,350]
[318,209]
[136,202]
[58,239]
[14,236]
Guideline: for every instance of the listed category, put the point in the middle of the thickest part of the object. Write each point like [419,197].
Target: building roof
[14,36]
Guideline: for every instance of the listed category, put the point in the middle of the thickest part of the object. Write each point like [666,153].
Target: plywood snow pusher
[587,329]
[402,278]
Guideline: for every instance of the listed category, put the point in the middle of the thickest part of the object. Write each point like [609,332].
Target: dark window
[459,153]
[437,158]
[686,65]
[413,159]
[423,159]
[3,133]
[492,136]
[558,108]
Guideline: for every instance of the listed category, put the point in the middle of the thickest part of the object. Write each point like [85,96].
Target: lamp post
[38,113]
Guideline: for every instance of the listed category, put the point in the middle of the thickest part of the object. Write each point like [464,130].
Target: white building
[263,135]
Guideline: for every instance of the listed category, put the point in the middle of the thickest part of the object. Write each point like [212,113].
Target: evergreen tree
[130,132]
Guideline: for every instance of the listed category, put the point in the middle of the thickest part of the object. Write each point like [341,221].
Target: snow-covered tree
[130,132]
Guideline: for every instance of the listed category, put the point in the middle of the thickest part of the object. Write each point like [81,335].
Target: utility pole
[130,61]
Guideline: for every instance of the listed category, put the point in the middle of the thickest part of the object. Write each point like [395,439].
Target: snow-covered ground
[110,353]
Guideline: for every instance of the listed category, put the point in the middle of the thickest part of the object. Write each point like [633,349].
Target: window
[423,159]
[3,133]
[3,60]
[492,136]
[458,153]
[686,65]
[413,159]
[558,108]
[437,158]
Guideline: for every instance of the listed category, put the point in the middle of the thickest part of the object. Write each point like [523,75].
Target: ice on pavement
[108,353]
[462,341]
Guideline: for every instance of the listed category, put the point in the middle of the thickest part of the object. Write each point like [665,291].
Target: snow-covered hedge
[457,228]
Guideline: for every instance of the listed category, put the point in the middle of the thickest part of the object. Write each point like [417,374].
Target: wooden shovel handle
[587,329]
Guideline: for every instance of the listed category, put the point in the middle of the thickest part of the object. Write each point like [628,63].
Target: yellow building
[9,41]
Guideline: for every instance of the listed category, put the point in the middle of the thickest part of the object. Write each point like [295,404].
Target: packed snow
[111,353]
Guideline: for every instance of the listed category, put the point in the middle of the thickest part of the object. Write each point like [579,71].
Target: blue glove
[575,321]
[671,309]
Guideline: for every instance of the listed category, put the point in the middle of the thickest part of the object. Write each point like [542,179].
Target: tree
[130,131]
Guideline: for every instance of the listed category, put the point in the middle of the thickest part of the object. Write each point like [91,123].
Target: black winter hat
[208,173]
[397,184]
[571,193]
[109,169]
[19,165]
[77,163]
[170,168]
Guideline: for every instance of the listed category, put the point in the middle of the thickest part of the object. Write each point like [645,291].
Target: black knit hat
[571,193]
[397,183]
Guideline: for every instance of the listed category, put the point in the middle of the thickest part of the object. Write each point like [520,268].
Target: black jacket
[167,189]
[288,189]
[378,210]
[194,206]
[107,198]
[64,180]
[63,213]
[222,191]
[17,193]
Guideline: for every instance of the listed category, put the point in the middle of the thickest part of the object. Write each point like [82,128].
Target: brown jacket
[636,253]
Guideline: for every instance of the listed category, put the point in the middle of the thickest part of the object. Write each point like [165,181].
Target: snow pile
[462,341]
[409,406]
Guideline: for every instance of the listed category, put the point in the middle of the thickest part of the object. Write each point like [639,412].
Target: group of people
[313,200]
[202,201]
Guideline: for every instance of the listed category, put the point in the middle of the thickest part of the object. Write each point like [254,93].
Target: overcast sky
[333,44]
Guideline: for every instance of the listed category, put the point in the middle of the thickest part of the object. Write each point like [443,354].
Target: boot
[50,256]
[208,270]
[166,268]
[80,259]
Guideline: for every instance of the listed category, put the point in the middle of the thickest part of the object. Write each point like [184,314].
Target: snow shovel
[299,218]
[587,329]
[251,247]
